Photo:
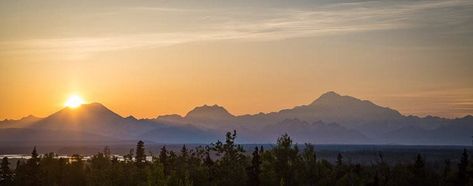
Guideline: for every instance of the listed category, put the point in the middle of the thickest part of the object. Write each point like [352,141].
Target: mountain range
[330,119]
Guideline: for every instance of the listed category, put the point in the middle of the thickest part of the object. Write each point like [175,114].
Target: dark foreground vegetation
[226,163]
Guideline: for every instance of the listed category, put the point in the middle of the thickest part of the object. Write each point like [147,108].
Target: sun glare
[74,101]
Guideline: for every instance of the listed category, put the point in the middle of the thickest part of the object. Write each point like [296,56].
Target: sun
[74,101]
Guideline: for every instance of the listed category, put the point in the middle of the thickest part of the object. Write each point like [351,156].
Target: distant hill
[329,119]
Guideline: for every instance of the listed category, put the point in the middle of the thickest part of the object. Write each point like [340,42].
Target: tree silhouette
[208,165]
[419,171]
[310,169]
[255,169]
[34,157]
[29,173]
[447,173]
[231,167]
[6,175]
[339,161]
[285,155]
[140,156]
[462,168]
[226,163]
[163,158]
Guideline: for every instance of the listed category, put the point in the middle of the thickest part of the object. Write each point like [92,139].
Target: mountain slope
[93,118]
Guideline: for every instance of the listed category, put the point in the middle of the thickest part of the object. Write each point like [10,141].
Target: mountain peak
[211,112]
[332,97]
[85,111]
[131,117]
[330,94]
[95,106]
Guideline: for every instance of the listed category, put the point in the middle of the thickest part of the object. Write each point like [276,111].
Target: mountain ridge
[331,118]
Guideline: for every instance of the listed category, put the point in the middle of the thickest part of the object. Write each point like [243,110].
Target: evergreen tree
[382,170]
[339,161]
[209,166]
[181,175]
[6,175]
[309,171]
[419,171]
[255,169]
[227,164]
[231,167]
[33,167]
[163,158]
[184,152]
[140,161]
[463,168]
[34,160]
[285,155]
[106,152]
[446,173]
[140,156]
[419,163]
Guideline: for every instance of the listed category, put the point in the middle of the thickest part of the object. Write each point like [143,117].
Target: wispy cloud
[252,25]
[446,102]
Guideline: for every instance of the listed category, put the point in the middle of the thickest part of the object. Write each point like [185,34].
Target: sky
[148,58]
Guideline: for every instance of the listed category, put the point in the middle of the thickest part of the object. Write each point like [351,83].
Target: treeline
[226,163]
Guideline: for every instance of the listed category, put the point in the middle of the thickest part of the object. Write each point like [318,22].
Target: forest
[227,163]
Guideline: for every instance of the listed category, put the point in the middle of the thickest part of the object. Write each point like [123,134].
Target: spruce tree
[446,172]
[419,171]
[34,160]
[32,169]
[6,175]
[339,161]
[184,152]
[285,155]
[255,169]
[309,171]
[140,156]
[462,168]
[163,158]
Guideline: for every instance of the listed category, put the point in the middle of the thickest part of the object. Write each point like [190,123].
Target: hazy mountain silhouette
[21,123]
[372,123]
[206,113]
[95,119]
[345,110]
[181,134]
[331,118]
[91,122]
[316,132]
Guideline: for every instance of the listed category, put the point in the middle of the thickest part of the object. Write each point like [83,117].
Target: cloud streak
[268,24]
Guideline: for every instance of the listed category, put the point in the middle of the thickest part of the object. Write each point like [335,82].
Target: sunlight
[74,101]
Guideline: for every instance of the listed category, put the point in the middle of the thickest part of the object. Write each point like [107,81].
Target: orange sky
[146,58]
